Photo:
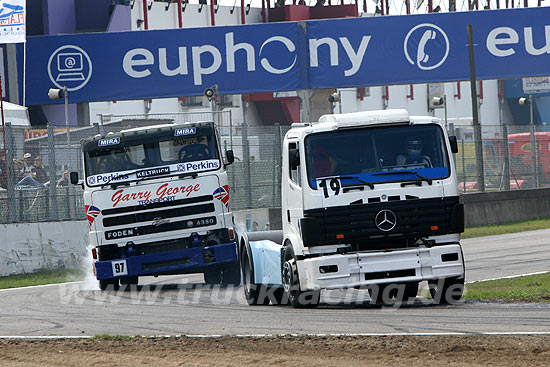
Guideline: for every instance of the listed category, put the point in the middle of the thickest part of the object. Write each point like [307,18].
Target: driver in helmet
[414,155]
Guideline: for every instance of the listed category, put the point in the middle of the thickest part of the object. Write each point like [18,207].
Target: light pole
[534,166]
[58,94]
[333,98]
[213,94]
[438,102]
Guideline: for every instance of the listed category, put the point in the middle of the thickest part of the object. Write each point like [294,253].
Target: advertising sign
[12,21]
[289,56]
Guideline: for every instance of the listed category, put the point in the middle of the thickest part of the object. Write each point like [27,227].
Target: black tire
[231,273]
[389,293]
[213,275]
[296,297]
[375,293]
[279,297]
[252,291]
[446,290]
[109,284]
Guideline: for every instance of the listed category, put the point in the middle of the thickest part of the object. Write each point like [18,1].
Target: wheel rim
[287,276]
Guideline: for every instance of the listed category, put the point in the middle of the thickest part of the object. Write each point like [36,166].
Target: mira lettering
[186,131]
[110,141]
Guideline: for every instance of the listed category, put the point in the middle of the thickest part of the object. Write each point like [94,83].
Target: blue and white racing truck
[157,202]
[369,200]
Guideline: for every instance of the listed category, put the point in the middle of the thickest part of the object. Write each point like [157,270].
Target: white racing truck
[157,202]
[369,200]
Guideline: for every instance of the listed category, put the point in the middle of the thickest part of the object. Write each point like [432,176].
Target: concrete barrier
[490,208]
[30,247]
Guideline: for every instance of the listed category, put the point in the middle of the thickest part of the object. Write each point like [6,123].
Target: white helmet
[414,147]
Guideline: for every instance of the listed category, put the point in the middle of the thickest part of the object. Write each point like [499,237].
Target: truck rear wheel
[296,297]
[252,291]
[446,290]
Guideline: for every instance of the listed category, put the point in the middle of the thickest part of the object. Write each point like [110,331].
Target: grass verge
[506,228]
[40,278]
[532,288]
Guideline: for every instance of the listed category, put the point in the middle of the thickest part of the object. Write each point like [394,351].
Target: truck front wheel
[109,284]
[296,297]
[213,275]
[446,290]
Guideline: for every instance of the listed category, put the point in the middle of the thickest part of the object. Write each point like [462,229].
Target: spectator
[3,171]
[38,171]
[18,169]
[64,180]
[111,7]
[27,164]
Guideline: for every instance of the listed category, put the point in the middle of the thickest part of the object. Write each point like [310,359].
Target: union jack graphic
[222,193]
[91,213]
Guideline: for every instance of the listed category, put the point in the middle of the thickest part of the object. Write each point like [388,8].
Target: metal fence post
[51,174]
[533,144]
[276,167]
[12,217]
[506,157]
[230,130]
[246,159]
[464,177]
[475,114]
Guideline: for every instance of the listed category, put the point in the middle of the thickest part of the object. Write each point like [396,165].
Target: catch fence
[27,195]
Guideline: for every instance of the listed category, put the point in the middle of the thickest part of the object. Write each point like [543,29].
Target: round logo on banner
[426,46]
[69,66]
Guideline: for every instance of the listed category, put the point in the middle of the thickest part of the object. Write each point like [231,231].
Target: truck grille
[160,213]
[151,229]
[413,218]
[152,215]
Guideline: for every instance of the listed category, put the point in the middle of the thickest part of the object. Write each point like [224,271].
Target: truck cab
[368,198]
[157,202]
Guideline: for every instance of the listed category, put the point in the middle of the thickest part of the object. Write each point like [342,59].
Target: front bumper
[363,269]
[191,260]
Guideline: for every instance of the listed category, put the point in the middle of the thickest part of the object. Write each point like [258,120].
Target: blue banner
[166,63]
[428,48]
[289,55]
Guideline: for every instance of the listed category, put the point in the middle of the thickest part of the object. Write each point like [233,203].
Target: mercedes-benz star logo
[385,220]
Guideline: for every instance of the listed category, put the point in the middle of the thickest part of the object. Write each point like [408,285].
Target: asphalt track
[182,305]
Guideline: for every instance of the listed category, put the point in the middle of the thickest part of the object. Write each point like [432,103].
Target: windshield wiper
[361,182]
[422,178]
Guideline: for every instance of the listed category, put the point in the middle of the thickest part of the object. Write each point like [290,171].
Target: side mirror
[454,144]
[294,158]
[229,156]
[74,178]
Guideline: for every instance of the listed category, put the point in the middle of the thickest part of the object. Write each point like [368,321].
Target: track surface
[183,306]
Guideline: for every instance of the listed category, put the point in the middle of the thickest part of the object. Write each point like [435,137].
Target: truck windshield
[370,154]
[137,160]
